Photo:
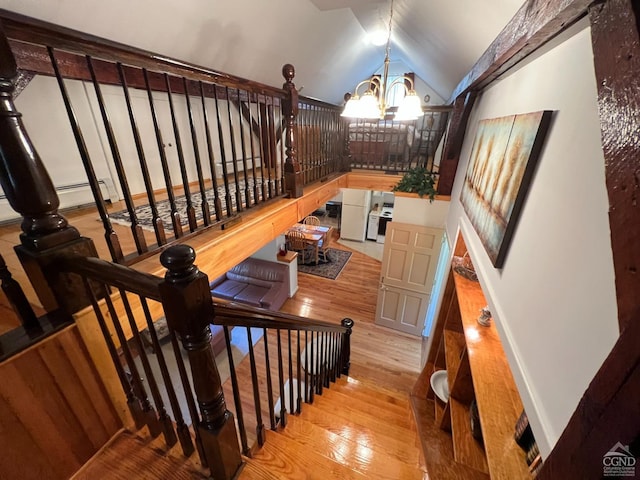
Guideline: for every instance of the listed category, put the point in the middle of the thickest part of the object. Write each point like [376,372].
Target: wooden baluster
[283,408]
[132,402]
[165,422]
[148,412]
[158,227]
[186,299]
[136,228]
[262,115]
[206,216]
[292,173]
[234,155]
[247,188]
[320,363]
[191,211]
[291,404]
[307,397]
[191,403]
[212,165]
[175,216]
[30,192]
[311,363]
[256,197]
[223,156]
[183,431]
[271,136]
[346,344]
[236,392]
[299,406]
[17,298]
[280,138]
[110,235]
[272,415]
[256,391]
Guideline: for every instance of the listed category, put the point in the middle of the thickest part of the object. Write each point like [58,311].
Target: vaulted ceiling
[326,40]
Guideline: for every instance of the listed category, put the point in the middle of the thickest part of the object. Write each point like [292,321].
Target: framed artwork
[503,159]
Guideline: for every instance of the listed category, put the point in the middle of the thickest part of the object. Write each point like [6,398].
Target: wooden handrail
[34,31]
[111,274]
[236,315]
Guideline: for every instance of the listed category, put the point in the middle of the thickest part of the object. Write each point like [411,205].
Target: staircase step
[370,436]
[129,457]
[287,458]
[385,413]
[375,398]
[377,419]
[363,388]
[348,452]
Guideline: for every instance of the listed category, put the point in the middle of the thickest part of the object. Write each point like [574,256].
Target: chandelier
[373,103]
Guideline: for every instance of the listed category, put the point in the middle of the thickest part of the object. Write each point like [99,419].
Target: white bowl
[440,385]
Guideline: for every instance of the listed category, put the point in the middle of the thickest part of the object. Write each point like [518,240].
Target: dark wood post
[292,172]
[346,155]
[346,345]
[189,310]
[30,191]
[455,137]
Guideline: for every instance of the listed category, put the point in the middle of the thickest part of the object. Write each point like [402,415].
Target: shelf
[466,449]
[499,403]
[454,348]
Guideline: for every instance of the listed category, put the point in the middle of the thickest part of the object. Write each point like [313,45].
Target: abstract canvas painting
[501,166]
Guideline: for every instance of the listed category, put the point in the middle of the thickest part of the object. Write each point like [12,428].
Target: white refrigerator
[355,213]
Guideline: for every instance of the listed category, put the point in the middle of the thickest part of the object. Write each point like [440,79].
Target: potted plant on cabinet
[418,180]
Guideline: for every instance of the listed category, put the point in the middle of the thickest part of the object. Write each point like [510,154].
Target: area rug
[336,260]
[145,216]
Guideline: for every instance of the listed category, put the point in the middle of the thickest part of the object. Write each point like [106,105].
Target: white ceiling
[324,39]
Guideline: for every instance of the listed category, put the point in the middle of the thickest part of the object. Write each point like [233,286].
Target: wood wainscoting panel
[54,411]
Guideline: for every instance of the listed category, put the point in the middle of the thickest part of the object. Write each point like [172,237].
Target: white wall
[554,301]
[420,211]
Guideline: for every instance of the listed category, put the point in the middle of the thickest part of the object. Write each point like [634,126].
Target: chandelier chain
[388,48]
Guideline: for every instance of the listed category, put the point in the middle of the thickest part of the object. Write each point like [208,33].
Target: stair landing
[353,431]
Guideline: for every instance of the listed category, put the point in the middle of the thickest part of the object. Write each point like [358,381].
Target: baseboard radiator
[71,196]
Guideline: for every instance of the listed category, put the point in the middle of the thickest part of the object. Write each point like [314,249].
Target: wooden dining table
[314,235]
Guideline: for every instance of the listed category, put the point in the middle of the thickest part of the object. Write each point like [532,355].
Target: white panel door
[409,264]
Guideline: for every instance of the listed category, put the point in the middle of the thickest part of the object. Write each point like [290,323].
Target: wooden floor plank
[348,452]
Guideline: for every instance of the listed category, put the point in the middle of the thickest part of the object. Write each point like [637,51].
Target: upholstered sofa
[254,282]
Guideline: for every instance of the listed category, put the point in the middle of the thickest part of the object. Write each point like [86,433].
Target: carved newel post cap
[348,323]
[178,260]
[288,72]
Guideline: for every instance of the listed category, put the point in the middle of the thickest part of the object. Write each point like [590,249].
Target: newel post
[292,173]
[189,309]
[346,345]
[30,191]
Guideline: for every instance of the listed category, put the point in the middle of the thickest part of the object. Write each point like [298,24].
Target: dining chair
[296,242]
[323,245]
[311,220]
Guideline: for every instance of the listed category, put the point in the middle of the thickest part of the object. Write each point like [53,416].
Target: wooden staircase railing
[127,305]
[189,148]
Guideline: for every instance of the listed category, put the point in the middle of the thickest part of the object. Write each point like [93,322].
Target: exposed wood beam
[537,22]
[616,51]
[608,412]
[455,137]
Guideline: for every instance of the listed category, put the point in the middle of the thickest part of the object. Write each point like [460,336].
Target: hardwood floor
[360,428]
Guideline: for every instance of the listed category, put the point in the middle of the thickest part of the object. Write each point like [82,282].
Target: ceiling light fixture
[373,103]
